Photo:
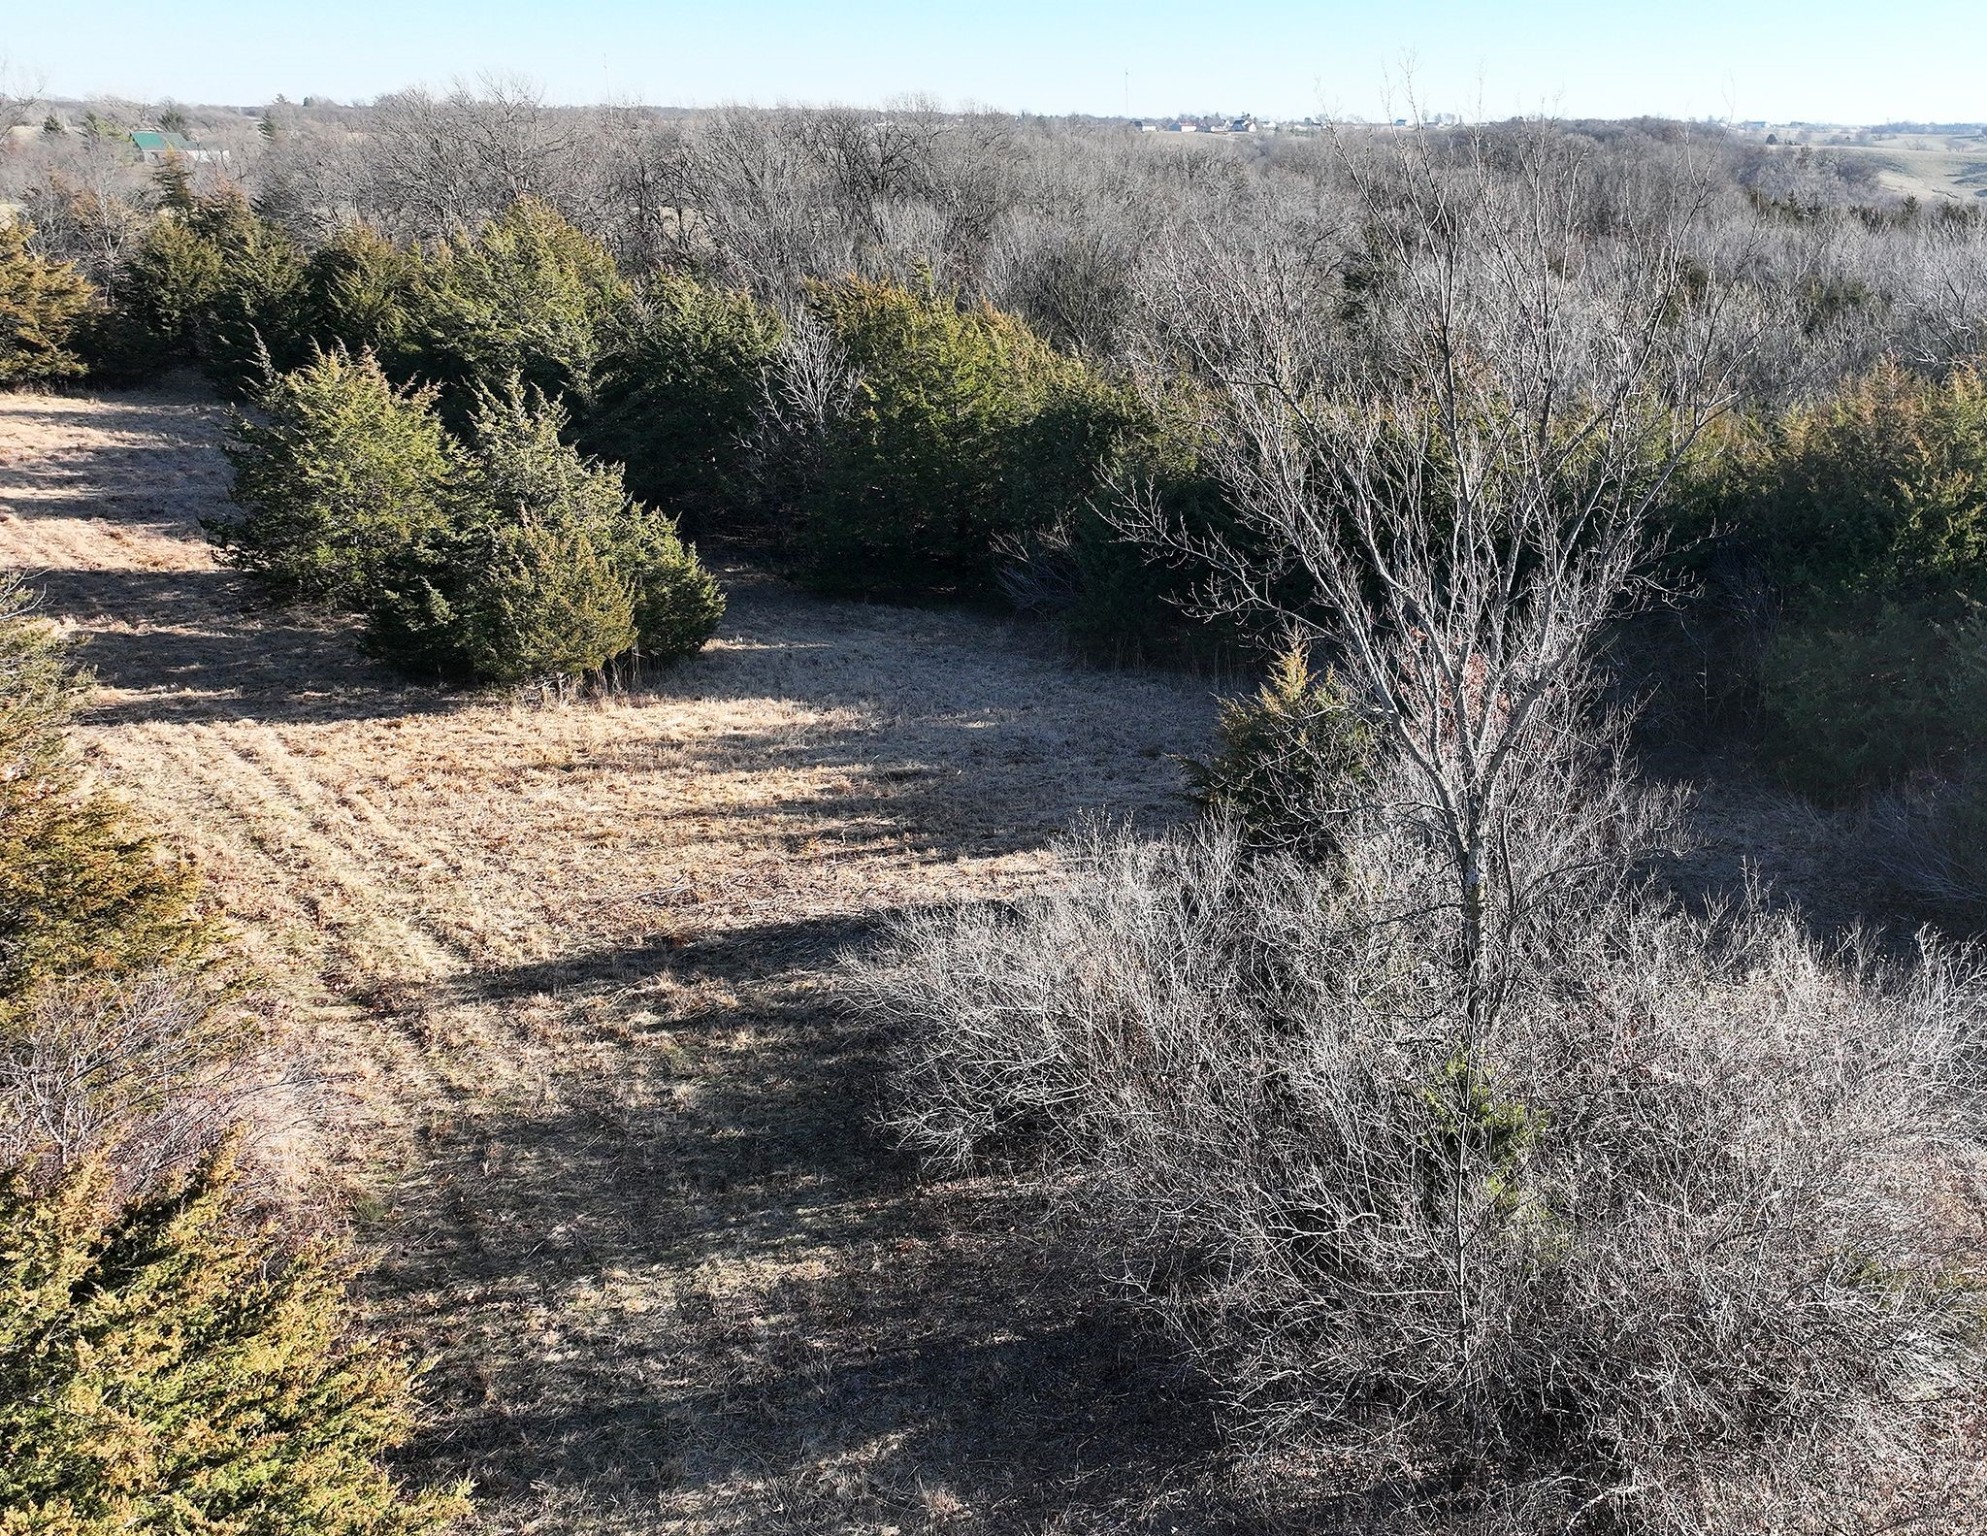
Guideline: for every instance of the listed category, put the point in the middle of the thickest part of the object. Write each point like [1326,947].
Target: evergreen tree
[677,390]
[166,1368]
[42,303]
[1289,759]
[174,179]
[524,472]
[965,431]
[362,292]
[342,479]
[82,892]
[527,295]
[541,602]
[212,284]
[548,570]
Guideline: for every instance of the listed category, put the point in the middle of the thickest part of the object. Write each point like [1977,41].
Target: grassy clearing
[1933,170]
[567,971]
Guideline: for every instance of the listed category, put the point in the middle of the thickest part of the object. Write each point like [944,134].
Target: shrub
[115,1041]
[526,296]
[677,389]
[917,493]
[209,284]
[341,480]
[1087,423]
[1930,837]
[164,1368]
[1879,491]
[524,473]
[678,603]
[82,892]
[41,305]
[509,604]
[142,1073]
[1289,761]
[1866,694]
[548,570]
[1679,1259]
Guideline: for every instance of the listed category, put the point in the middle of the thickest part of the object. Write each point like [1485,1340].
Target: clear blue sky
[1818,59]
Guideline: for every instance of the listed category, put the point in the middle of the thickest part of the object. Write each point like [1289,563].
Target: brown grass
[568,967]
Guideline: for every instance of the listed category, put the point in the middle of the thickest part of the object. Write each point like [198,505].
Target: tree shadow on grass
[197,646]
[716,1284]
[748,1298]
[736,954]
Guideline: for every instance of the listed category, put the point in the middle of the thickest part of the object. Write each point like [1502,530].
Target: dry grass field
[1932,169]
[566,970]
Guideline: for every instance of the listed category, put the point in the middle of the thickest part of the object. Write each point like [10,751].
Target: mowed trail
[568,971]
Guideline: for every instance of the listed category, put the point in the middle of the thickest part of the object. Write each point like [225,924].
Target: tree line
[1472,1168]
[917,355]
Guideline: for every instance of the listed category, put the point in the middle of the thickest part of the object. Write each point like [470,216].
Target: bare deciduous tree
[149,1073]
[1466,1156]
[1460,464]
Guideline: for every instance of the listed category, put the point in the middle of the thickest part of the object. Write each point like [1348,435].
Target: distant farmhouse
[153,146]
[1248,122]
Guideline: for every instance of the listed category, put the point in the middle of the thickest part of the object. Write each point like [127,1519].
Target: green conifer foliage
[677,389]
[548,571]
[157,302]
[42,303]
[166,1368]
[915,495]
[82,892]
[1286,758]
[253,322]
[1879,490]
[342,479]
[965,437]
[527,295]
[210,284]
[174,179]
[524,473]
[1867,512]
[678,603]
[543,602]
[359,291]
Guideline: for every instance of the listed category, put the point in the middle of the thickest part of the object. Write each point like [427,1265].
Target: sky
[1819,60]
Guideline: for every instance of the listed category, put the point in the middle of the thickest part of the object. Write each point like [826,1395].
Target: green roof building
[152,145]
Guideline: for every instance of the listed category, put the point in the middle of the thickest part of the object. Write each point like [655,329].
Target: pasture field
[1933,170]
[567,973]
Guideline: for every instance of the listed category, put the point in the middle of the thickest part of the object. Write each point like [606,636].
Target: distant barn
[153,145]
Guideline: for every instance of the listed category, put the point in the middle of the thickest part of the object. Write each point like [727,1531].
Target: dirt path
[569,969]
